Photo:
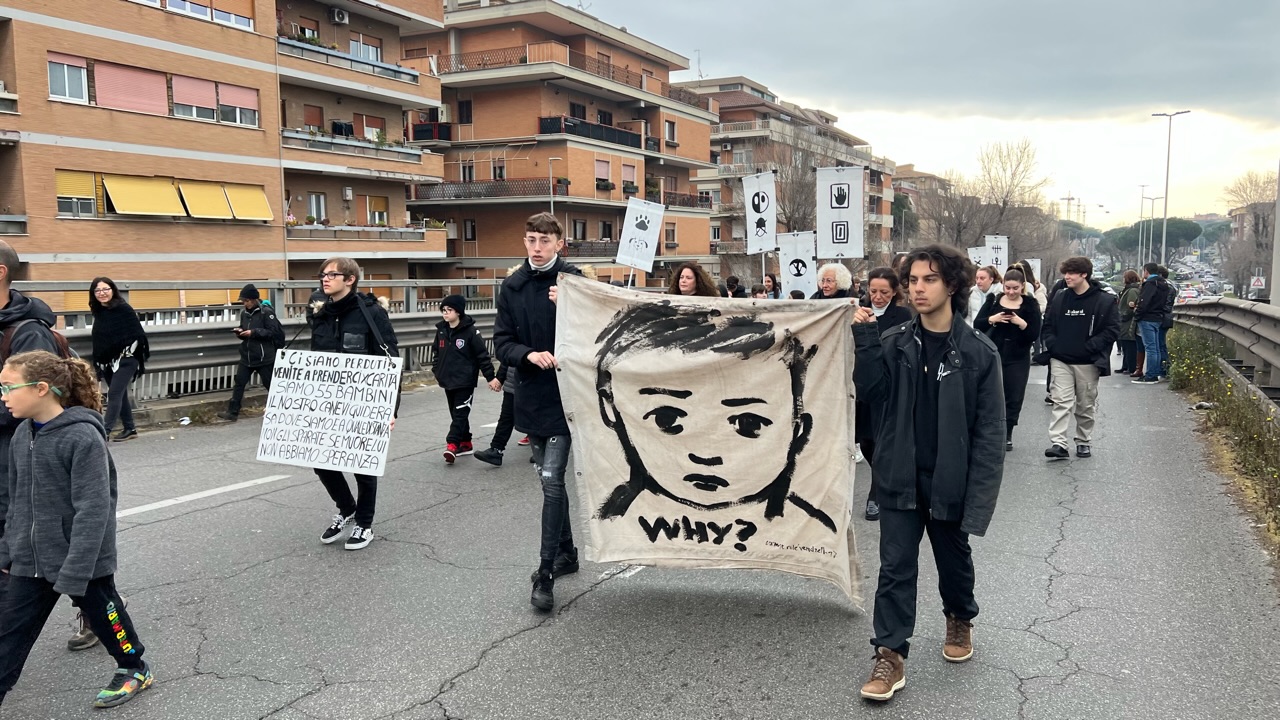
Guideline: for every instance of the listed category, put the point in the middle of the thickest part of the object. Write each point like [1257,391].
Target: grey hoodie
[61,521]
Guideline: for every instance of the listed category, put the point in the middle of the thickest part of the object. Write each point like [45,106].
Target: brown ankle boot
[888,675]
[958,646]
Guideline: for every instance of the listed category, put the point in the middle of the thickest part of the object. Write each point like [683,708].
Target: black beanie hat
[457,302]
[249,292]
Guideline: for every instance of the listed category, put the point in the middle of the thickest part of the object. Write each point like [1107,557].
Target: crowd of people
[944,354]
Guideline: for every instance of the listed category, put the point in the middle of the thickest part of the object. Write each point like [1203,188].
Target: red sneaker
[465,449]
[450,453]
[524,441]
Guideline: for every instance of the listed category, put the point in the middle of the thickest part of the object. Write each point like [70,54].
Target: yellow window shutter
[74,183]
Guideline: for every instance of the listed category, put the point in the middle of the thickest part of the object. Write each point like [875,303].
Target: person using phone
[1013,324]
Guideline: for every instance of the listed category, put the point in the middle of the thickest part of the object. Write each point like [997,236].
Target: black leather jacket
[971,427]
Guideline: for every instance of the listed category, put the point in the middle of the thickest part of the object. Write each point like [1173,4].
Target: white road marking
[200,495]
[630,571]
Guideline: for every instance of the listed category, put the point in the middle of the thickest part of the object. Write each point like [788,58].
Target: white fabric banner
[710,433]
[997,251]
[640,234]
[797,263]
[330,410]
[759,195]
[840,221]
[979,256]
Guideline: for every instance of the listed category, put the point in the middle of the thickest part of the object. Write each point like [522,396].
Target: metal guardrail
[1253,327]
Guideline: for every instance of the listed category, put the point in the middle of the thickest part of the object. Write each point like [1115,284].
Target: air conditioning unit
[348,193]
[726,146]
[338,16]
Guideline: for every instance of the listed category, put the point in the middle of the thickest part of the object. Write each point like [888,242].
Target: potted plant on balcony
[311,219]
[602,184]
[380,139]
[630,188]
[290,220]
[562,181]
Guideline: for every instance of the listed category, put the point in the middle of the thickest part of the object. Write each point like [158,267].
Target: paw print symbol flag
[640,235]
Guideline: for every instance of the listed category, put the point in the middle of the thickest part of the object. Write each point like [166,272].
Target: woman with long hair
[771,287]
[691,279]
[120,352]
[1033,285]
[986,286]
[1012,322]
[884,294]
[1128,341]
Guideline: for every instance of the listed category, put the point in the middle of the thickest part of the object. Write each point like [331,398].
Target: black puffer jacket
[265,336]
[526,324]
[341,327]
[1155,292]
[971,427]
[460,353]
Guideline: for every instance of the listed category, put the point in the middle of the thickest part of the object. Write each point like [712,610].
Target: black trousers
[506,422]
[1015,375]
[118,405]
[243,374]
[551,460]
[894,618]
[27,604]
[868,448]
[366,495]
[460,414]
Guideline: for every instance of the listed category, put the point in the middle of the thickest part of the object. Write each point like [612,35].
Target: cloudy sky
[931,81]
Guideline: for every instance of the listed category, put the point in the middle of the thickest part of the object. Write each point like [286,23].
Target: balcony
[682,200]
[729,247]
[751,127]
[574,126]
[351,232]
[590,248]
[436,132]
[739,169]
[325,142]
[879,219]
[539,188]
[338,58]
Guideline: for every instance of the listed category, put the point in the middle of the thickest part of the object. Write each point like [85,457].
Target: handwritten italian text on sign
[331,411]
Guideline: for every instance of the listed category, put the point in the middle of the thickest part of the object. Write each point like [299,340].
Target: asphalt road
[1123,586]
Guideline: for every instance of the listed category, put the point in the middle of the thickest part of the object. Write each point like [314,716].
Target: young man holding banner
[349,322]
[524,337]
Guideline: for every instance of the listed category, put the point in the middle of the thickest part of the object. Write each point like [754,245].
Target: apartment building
[212,139]
[758,132]
[547,107]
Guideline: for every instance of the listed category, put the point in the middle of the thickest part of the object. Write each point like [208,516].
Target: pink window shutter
[126,88]
[238,96]
[194,91]
[67,59]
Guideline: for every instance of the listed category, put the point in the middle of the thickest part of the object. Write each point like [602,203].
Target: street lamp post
[1151,229]
[1167,151]
[551,183]
[1142,193]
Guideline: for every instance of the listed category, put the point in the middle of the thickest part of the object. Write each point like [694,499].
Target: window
[469,230]
[238,115]
[238,105]
[604,117]
[670,135]
[377,210]
[194,111]
[195,98]
[499,169]
[742,157]
[77,206]
[602,169]
[129,88]
[715,233]
[464,112]
[606,230]
[67,78]
[629,174]
[670,233]
[313,118]
[467,171]
[148,2]
[578,110]
[735,86]
[604,59]
[704,198]
[715,197]
[190,8]
[316,206]
[579,230]
[226,17]
[371,128]
[308,28]
[366,47]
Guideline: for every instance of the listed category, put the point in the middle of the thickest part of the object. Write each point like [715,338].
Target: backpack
[60,341]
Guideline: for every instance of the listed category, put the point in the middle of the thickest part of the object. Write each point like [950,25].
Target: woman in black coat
[120,351]
[884,293]
[1012,321]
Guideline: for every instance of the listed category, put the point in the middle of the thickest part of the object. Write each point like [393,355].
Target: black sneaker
[493,456]
[543,597]
[359,538]
[1008,446]
[125,435]
[229,417]
[1057,452]
[565,564]
[1083,451]
[873,511]
[1048,399]
[1145,381]
[334,531]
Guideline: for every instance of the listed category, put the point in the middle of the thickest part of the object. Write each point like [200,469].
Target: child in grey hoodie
[60,534]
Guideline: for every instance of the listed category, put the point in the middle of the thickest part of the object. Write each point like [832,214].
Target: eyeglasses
[330,275]
[99,291]
[6,389]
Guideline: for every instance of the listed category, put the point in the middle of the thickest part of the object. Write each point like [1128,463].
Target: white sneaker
[360,537]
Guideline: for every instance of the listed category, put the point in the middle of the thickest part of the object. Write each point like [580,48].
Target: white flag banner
[640,234]
[979,256]
[798,263]
[839,218]
[710,433]
[330,410]
[759,194]
[997,251]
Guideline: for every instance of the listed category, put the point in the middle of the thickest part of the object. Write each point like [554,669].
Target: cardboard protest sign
[711,433]
[331,411]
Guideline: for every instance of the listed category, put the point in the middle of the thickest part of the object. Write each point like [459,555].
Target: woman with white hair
[834,281]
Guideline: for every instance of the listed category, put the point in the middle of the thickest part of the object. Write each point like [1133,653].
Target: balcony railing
[346,60]
[561,55]
[733,169]
[591,248]
[677,199]
[736,127]
[582,128]
[729,247]
[312,232]
[425,132]
[352,145]
[481,189]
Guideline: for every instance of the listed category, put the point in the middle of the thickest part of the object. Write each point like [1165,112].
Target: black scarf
[115,328]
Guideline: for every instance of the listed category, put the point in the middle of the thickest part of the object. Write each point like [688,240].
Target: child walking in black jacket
[460,355]
[62,530]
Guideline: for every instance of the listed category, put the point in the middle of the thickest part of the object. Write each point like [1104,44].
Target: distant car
[1188,294]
